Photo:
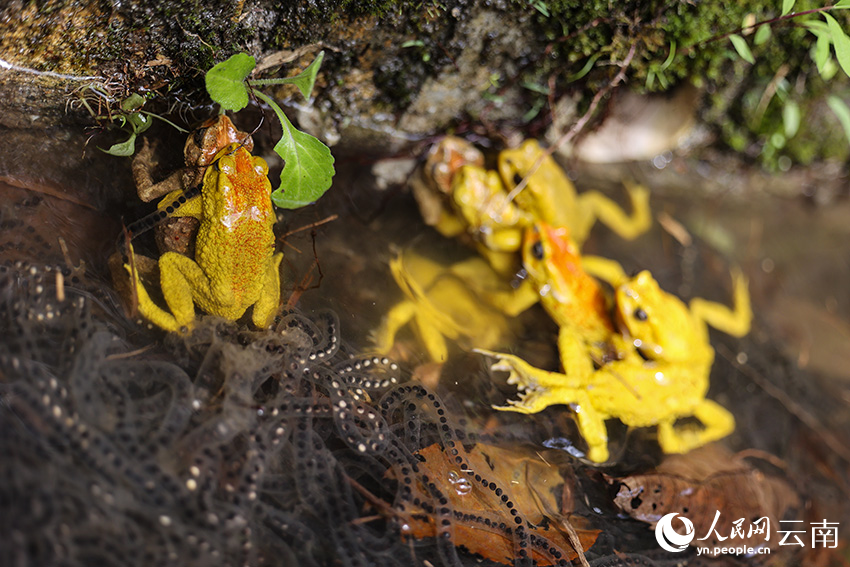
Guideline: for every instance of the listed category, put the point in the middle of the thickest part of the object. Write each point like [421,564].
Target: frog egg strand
[323,344]
[240,484]
[319,482]
[151,220]
[66,433]
[351,369]
[433,502]
[351,417]
[328,345]
[521,538]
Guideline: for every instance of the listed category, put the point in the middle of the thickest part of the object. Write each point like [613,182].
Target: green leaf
[829,70]
[584,70]
[123,148]
[139,122]
[787,6]
[133,103]
[791,118]
[650,79]
[308,164]
[167,121]
[740,45]
[842,4]
[840,42]
[534,87]
[777,140]
[762,35]
[839,107]
[226,81]
[303,80]
[817,27]
[534,110]
[822,52]
[670,57]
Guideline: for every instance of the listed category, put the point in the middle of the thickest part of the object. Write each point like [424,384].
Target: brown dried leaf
[701,483]
[482,513]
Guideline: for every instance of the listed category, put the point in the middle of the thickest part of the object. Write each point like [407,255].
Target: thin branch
[755,26]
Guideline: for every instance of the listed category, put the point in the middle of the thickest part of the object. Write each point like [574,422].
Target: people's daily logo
[667,536]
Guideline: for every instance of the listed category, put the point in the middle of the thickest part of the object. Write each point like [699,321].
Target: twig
[311,225]
[754,26]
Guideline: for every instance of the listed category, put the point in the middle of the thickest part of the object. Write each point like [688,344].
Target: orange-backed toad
[235,265]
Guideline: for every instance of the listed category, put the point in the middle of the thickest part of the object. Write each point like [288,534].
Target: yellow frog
[432,183]
[480,202]
[556,275]
[235,265]
[550,196]
[668,384]
[460,198]
[441,304]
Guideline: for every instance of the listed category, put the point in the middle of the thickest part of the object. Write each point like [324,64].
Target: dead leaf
[701,483]
[499,486]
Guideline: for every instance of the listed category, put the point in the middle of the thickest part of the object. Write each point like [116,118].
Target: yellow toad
[460,198]
[235,265]
[550,196]
[441,304]
[668,384]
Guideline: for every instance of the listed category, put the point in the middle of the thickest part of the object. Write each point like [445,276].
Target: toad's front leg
[599,207]
[146,187]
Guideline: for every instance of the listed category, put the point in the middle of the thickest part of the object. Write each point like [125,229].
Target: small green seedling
[308,163]
[134,121]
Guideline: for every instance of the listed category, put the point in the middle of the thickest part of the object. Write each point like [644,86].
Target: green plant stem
[268,82]
[167,121]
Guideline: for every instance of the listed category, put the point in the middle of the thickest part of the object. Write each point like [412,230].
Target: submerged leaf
[704,482]
[537,492]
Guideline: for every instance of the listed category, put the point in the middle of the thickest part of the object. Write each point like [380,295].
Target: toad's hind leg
[611,215]
[266,306]
[400,315]
[717,424]
[150,310]
[178,276]
[184,283]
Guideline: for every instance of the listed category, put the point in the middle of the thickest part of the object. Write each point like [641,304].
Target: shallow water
[786,382]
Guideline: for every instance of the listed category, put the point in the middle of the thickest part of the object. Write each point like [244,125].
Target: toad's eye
[640,314]
[537,250]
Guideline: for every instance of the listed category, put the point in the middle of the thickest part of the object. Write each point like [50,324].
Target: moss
[601,33]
